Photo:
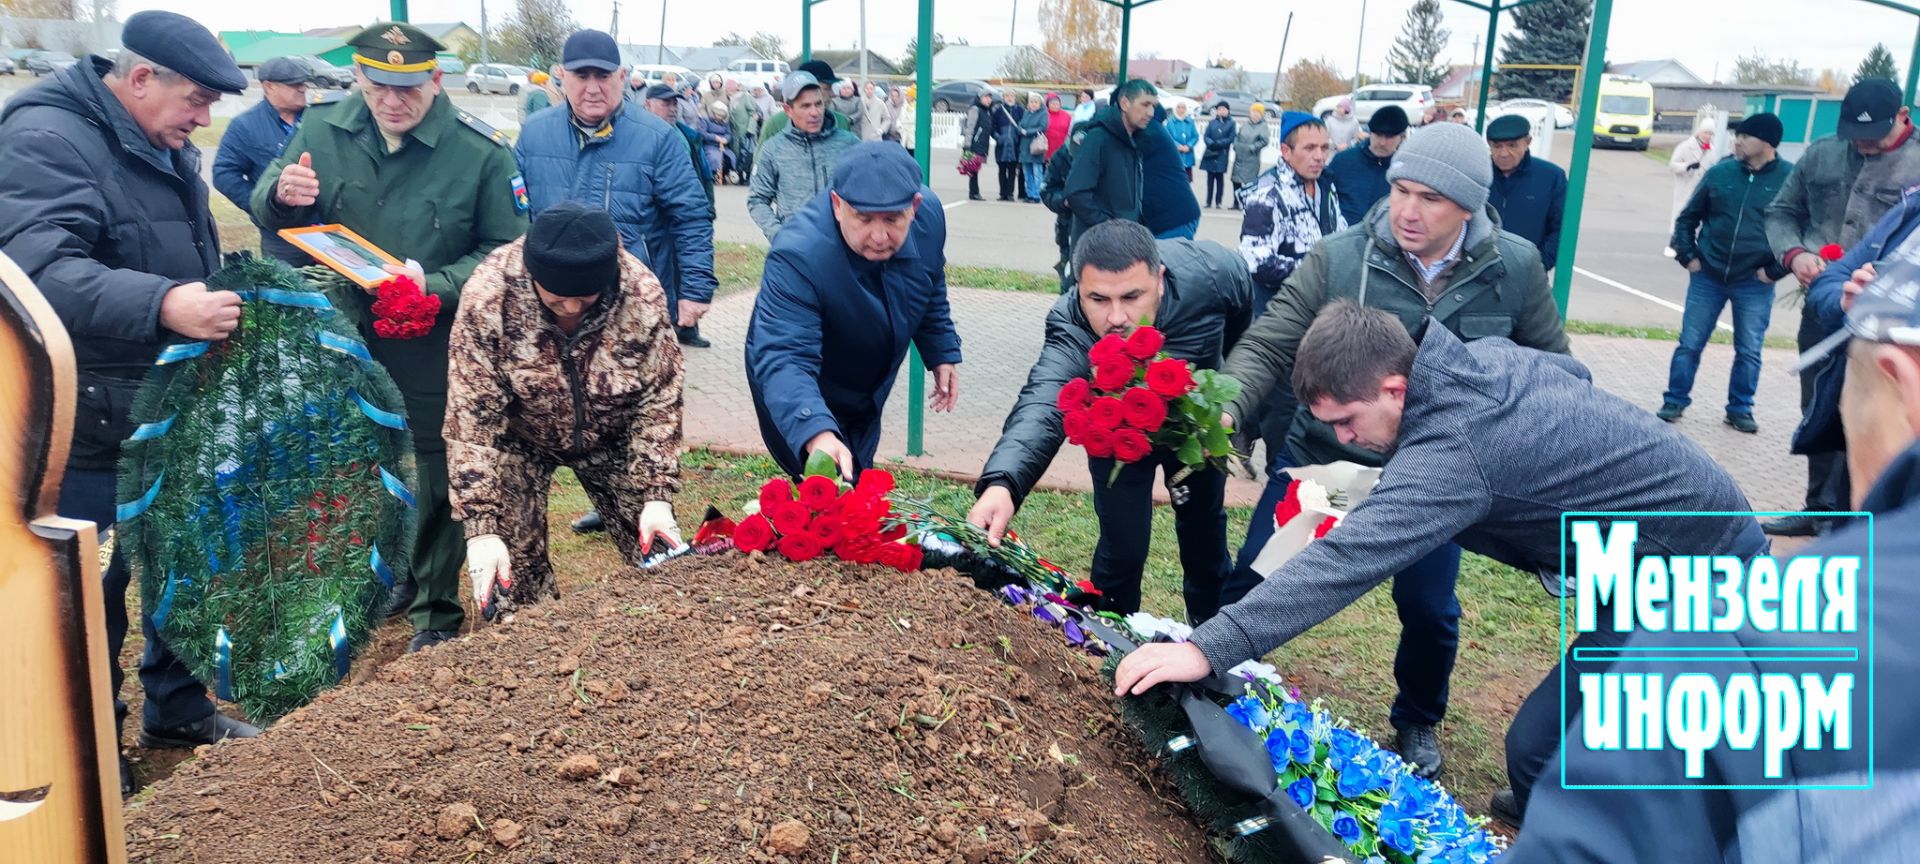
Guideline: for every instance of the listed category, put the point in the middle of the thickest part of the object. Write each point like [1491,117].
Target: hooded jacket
[105,224]
[518,388]
[1496,442]
[790,167]
[1496,289]
[1724,223]
[1283,224]
[1105,182]
[1205,305]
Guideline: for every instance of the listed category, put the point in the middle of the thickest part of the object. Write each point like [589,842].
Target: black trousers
[973,185]
[1216,187]
[1828,486]
[1125,512]
[1009,175]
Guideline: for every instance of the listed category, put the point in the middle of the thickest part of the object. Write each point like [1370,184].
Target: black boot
[1419,747]
[400,599]
[1506,807]
[589,523]
[428,638]
[215,728]
[1803,525]
[690,337]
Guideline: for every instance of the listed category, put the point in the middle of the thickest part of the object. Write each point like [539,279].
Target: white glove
[656,520]
[487,563]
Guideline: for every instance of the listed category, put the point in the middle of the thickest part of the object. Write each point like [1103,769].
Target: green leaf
[1224,388]
[1115,473]
[819,464]
[1218,443]
[1191,453]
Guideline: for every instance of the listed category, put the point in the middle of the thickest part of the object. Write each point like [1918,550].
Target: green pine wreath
[266,493]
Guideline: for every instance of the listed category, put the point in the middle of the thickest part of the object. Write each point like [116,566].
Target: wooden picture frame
[349,254]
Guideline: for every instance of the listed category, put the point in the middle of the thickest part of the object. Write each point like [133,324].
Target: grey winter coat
[1206,305]
[790,167]
[1835,195]
[106,225]
[1032,126]
[1497,288]
[1497,441]
[1248,141]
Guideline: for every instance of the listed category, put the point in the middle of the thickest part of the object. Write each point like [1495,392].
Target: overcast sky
[1703,35]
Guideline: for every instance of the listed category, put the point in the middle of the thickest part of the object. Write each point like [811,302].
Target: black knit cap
[573,250]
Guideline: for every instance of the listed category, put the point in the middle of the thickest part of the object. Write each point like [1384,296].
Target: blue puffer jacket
[641,176]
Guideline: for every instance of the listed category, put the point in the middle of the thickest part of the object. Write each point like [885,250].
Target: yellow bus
[1624,117]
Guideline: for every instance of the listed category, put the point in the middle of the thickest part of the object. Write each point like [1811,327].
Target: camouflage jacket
[521,390]
[1283,224]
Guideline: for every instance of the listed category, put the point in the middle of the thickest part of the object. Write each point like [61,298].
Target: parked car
[452,65]
[645,75]
[48,62]
[1239,102]
[750,72]
[1562,116]
[496,78]
[957,95]
[6,66]
[325,74]
[1414,99]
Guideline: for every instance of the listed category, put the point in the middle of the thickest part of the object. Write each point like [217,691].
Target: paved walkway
[1001,333]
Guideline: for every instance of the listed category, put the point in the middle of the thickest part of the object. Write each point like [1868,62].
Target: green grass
[738,266]
[1663,334]
[1509,626]
[1658,154]
[208,137]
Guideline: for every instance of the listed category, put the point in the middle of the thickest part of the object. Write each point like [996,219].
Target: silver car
[496,78]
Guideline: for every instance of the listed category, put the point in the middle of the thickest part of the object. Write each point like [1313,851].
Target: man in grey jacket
[795,164]
[1199,296]
[1487,444]
[1839,189]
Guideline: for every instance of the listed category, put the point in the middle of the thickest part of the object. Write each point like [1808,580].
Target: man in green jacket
[399,165]
[1433,249]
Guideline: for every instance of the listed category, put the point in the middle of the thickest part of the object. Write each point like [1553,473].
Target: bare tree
[534,33]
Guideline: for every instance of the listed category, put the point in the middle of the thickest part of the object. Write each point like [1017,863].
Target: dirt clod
[788,838]
[455,821]
[581,766]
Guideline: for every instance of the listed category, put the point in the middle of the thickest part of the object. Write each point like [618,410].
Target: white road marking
[949,205]
[1642,294]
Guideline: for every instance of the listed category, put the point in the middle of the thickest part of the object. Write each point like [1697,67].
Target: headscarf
[763,100]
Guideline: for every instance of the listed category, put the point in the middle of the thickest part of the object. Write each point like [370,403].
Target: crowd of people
[1387,304]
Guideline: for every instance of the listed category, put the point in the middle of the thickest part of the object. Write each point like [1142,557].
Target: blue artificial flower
[1300,747]
[1414,796]
[1302,792]
[1396,830]
[1347,747]
[1013,594]
[1277,749]
[1359,777]
[1046,613]
[1075,636]
[1346,827]
[1250,712]
[1297,715]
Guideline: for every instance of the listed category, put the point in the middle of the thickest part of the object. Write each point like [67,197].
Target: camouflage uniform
[525,398]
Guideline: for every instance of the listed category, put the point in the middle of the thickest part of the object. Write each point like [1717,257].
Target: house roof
[1665,71]
[1159,70]
[1455,84]
[441,30]
[650,54]
[285,46]
[342,32]
[849,62]
[714,57]
[991,62]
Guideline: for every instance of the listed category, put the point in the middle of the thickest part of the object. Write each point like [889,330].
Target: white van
[751,72]
[645,75]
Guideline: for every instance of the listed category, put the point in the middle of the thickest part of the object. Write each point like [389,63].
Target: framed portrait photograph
[349,254]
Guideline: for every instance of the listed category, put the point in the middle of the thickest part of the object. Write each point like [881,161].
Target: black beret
[1509,127]
[573,250]
[181,44]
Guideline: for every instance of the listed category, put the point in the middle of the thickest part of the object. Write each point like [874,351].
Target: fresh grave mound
[734,708]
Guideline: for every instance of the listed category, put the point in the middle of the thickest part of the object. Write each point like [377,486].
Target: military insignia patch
[395,36]
[520,201]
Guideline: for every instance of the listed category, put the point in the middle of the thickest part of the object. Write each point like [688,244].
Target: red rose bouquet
[824,515]
[1138,398]
[402,310]
[970,163]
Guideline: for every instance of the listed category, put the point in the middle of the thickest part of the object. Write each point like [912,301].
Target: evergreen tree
[1551,31]
[1415,54]
[1879,64]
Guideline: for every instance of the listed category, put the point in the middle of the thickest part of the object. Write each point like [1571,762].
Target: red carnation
[858,550]
[1076,424]
[800,547]
[1170,378]
[1130,445]
[754,534]
[403,310]
[817,492]
[788,517]
[1112,373]
[779,490]
[1143,409]
[1110,345]
[1144,343]
[1832,252]
[911,558]
[1099,443]
[1325,526]
[875,482]
[1074,395]
[897,532]
[1106,413]
[1289,506]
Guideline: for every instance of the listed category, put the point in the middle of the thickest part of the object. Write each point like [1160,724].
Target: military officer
[399,165]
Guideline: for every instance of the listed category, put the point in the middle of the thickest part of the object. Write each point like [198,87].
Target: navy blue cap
[590,49]
[1867,112]
[820,71]
[181,44]
[662,91]
[877,177]
[284,70]
[1509,127]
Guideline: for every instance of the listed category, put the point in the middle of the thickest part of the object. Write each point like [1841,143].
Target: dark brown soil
[729,709]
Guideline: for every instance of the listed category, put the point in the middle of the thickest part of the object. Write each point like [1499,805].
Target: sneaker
[1506,807]
[215,728]
[1670,412]
[589,523]
[428,638]
[400,599]
[1743,423]
[1419,746]
[1802,525]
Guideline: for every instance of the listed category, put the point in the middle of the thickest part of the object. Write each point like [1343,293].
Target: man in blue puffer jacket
[603,150]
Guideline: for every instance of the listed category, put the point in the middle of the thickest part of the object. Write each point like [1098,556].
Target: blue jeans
[1125,512]
[1423,594]
[1036,178]
[174,697]
[1183,232]
[1752,301]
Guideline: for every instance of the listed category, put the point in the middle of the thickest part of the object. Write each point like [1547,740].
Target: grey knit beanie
[1451,158]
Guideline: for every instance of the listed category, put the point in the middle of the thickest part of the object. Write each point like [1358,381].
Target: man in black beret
[101,203]
[1359,173]
[1529,194]
[255,138]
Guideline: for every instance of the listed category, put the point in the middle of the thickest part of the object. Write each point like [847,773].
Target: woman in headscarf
[716,133]
[1247,144]
[976,138]
[1059,125]
[1219,139]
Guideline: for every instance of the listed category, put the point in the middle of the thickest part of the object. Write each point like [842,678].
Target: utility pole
[660,53]
[1476,53]
[1362,40]
[484,35]
[1014,22]
[863,45]
[614,31]
[1280,67]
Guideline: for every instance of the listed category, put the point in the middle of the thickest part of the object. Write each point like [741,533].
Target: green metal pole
[1595,67]
[806,30]
[923,153]
[1126,36]
[1486,67]
[399,10]
[1913,69]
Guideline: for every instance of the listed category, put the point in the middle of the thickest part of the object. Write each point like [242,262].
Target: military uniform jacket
[451,194]
[522,390]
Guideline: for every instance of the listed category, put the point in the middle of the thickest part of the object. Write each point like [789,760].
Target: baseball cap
[877,177]
[795,83]
[820,71]
[1867,112]
[662,91]
[590,49]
